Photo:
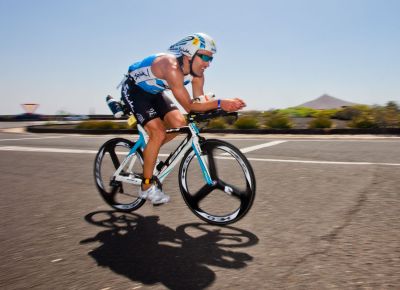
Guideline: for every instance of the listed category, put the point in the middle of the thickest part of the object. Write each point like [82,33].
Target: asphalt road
[326,216]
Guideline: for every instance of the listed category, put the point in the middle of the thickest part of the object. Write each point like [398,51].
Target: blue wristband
[219,104]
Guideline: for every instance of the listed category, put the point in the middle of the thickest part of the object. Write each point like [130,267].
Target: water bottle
[115,107]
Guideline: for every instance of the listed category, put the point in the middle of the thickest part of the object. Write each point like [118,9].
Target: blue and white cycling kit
[144,78]
[142,91]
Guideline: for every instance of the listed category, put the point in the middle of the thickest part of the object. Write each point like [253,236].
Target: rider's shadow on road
[145,251]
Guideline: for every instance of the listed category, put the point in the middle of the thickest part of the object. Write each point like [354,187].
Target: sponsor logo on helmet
[202,42]
[190,44]
[181,43]
[184,50]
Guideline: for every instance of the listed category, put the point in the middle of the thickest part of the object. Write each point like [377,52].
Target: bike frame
[163,169]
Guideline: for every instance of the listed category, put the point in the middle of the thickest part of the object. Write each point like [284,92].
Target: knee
[157,134]
[181,122]
[177,121]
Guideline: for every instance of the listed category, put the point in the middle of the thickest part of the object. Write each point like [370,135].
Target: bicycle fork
[200,156]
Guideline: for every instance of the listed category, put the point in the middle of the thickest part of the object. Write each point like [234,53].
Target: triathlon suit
[142,91]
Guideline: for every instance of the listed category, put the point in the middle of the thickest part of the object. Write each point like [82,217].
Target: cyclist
[143,90]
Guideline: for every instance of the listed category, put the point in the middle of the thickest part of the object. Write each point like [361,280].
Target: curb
[349,131]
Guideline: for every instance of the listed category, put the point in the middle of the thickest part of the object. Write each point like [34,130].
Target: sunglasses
[205,57]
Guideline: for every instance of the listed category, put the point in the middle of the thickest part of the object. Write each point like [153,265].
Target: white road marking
[322,162]
[55,150]
[80,151]
[46,150]
[33,138]
[256,147]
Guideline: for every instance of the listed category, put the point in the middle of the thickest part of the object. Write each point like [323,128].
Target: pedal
[114,183]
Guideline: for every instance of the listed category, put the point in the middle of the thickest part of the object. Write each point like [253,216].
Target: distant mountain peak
[326,102]
[326,96]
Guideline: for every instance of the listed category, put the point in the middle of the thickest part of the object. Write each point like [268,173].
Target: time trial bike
[215,179]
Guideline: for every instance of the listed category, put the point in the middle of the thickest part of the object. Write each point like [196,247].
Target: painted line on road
[310,138]
[55,150]
[259,146]
[79,151]
[322,162]
[33,138]
[264,145]
[46,150]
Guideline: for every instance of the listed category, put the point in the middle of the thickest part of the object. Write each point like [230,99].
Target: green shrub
[230,120]
[277,120]
[246,122]
[388,116]
[348,113]
[378,117]
[218,123]
[365,120]
[327,113]
[101,125]
[320,122]
[298,112]
[393,106]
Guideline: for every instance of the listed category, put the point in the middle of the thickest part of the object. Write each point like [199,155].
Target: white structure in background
[30,108]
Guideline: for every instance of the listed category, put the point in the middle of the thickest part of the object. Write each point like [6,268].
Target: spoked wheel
[122,196]
[232,193]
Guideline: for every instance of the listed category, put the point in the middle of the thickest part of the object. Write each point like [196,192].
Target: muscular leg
[157,136]
[156,131]
[173,119]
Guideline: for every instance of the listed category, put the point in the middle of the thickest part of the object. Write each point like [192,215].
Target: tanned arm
[168,69]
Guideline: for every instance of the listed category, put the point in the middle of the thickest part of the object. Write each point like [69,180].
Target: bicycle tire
[116,189]
[242,187]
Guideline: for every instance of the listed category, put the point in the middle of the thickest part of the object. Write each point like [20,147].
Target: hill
[327,102]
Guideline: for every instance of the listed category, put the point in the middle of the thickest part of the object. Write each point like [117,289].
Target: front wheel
[232,192]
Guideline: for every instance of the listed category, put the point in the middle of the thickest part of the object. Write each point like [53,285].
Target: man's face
[201,61]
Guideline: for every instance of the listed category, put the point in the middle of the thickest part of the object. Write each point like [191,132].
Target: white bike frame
[163,169]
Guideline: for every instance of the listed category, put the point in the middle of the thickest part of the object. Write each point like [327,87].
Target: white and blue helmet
[192,43]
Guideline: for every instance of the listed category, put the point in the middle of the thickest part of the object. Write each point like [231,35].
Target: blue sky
[68,55]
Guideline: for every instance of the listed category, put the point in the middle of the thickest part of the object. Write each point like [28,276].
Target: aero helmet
[192,43]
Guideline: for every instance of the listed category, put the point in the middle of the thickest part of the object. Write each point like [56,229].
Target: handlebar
[204,116]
